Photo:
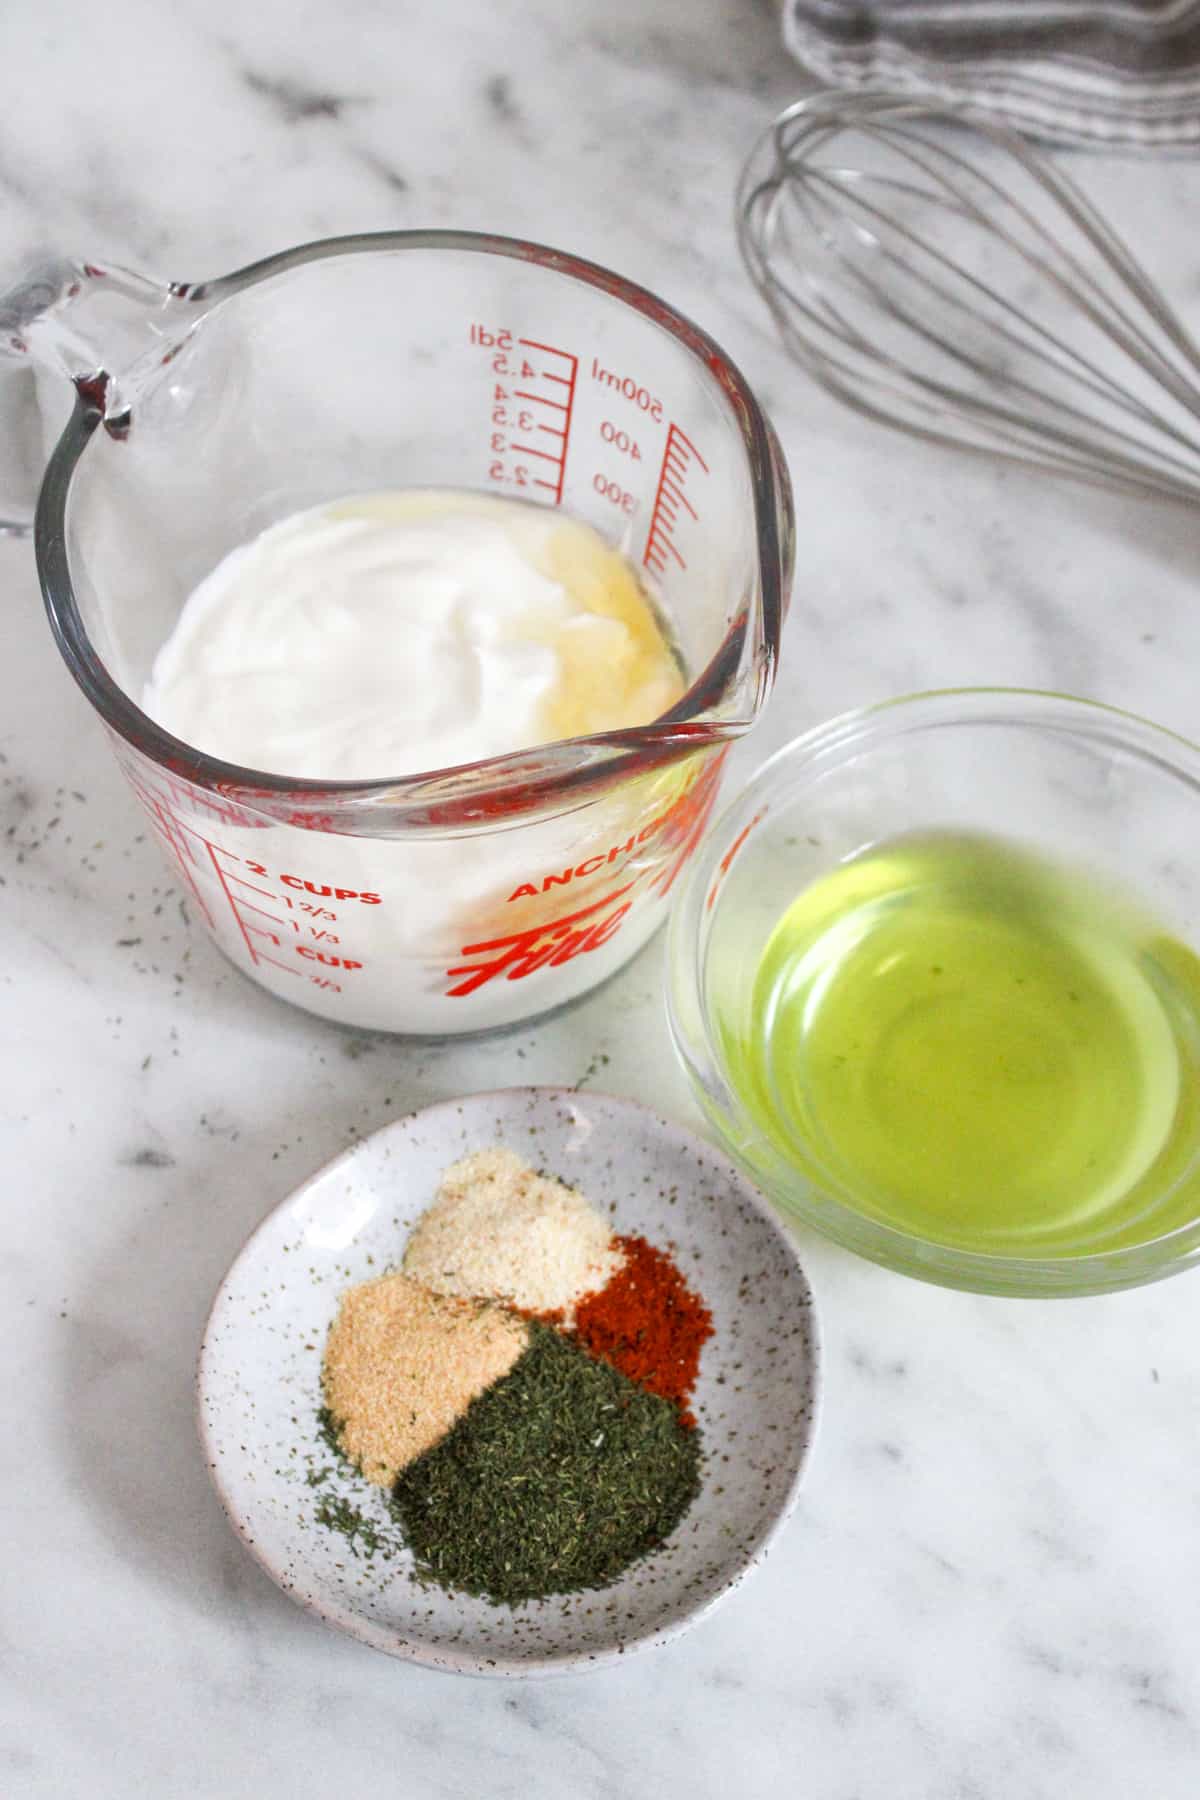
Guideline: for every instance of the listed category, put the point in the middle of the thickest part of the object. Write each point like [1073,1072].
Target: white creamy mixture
[396,633]
[389,635]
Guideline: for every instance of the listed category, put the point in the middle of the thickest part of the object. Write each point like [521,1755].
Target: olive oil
[978,1047]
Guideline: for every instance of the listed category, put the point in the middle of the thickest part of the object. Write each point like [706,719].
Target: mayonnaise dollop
[396,633]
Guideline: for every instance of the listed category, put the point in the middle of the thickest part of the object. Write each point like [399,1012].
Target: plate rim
[457,1662]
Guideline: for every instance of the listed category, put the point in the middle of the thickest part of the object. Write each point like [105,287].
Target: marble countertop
[989,1591]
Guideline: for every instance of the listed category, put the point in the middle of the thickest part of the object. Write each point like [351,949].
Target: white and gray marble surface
[992,1588]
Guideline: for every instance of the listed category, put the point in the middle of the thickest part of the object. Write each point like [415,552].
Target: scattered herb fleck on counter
[555,1480]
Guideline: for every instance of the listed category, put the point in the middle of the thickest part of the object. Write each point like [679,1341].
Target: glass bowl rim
[813,752]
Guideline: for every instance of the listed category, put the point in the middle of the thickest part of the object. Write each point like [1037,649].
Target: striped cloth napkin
[1119,72]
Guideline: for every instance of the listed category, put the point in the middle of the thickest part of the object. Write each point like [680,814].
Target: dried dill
[339,1515]
[333,1511]
[329,1432]
[554,1480]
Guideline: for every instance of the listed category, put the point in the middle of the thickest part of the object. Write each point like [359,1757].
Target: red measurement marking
[542,407]
[254,887]
[679,456]
[172,834]
[192,851]
[241,908]
[275,963]
[264,914]
[524,394]
[169,791]
[536,395]
[528,450]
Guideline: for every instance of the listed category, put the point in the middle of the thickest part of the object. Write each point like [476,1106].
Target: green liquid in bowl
[977,1048]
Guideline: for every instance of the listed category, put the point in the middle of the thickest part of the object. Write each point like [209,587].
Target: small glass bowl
[1087,785]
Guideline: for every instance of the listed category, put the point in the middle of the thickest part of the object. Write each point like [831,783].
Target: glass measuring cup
[459,899]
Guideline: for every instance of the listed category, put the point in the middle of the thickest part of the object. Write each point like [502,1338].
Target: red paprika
[648,1323]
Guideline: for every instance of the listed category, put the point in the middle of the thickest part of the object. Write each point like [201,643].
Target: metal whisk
[935,272]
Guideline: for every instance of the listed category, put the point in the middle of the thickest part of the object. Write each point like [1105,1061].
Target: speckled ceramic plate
[258,1382]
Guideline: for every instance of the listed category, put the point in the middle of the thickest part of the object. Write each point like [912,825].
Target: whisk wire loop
[843,213]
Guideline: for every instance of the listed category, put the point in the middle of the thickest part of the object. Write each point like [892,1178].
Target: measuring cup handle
[16,388]
[19,451]
[88,324]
